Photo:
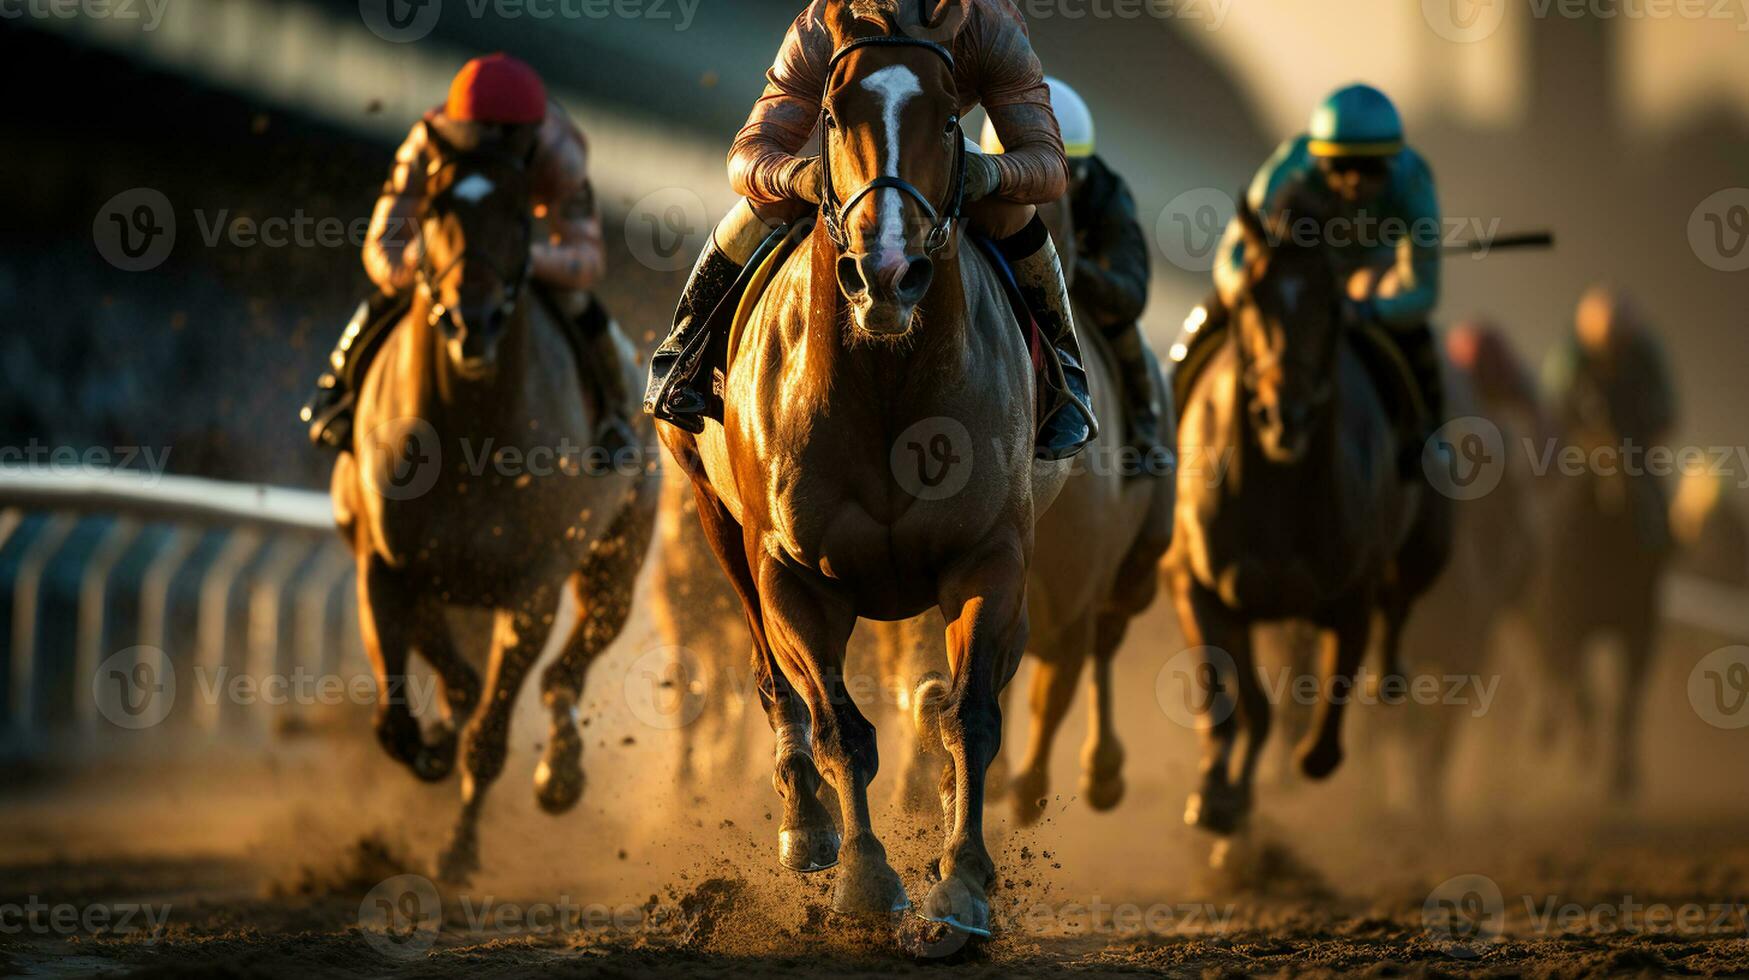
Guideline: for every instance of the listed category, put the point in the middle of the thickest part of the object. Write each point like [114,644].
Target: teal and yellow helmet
[1073,118]
[1357,121]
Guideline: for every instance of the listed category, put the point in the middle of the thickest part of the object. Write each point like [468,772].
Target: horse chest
[492,516]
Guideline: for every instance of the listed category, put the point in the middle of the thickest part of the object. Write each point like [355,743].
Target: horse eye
[831,121]
[953,125]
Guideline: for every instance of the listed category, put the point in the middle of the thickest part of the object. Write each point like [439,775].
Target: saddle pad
[1011,289]
[753,289]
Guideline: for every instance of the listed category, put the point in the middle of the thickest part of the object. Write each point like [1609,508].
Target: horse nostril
[916,280]
[850,276]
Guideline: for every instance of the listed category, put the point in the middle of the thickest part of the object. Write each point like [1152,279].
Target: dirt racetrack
[283,859]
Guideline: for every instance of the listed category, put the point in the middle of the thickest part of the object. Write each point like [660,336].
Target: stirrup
[1069,424]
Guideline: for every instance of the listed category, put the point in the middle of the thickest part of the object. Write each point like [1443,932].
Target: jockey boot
[329,410]
[673,393]
[601,365]
[1137,371]
[1421,350]
[1066,424]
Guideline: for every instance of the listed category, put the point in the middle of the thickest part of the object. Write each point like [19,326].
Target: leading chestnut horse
[470,485]
[875,461]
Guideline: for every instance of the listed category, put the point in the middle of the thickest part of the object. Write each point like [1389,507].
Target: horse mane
[884,13]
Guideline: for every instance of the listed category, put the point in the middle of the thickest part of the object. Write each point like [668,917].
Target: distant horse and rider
[477,353]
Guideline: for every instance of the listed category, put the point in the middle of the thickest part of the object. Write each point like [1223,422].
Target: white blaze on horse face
[896,85]
[473,188]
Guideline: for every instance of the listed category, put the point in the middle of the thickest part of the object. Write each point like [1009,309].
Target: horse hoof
[1029,797]
[558,780]
[808,851]
[1320,761]
[953,904]
[435,761]
[869,887]
[458,863]
[1104,793]
[1215,813]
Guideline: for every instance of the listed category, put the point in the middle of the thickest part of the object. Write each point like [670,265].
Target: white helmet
[1073,118]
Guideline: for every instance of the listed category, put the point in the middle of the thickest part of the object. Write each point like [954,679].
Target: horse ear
[938,21]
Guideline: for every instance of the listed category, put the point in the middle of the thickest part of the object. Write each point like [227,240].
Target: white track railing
[220,581]
[224,581]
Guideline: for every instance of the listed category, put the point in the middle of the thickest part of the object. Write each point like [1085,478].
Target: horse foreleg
[905,662]
[984,601]
[1056,672]
[517,637]
[1224,639]
[1344,646]
[1637,643]
[1102,759]
[602,586]
[806,839]
[389,614]
[808,631]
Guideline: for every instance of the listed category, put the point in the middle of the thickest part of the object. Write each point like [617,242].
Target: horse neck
[1316,465]
[482,404]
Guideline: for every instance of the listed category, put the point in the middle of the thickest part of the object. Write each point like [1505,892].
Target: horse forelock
[881,13]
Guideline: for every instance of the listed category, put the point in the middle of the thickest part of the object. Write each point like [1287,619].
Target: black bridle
[450,159]
[832,211]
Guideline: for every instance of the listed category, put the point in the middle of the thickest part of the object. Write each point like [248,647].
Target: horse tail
[926,704]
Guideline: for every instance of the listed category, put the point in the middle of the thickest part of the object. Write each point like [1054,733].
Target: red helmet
[499,90]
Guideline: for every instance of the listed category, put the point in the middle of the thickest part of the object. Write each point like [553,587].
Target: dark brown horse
[1309,519]
[876,460]
[471,485]
[1608,542]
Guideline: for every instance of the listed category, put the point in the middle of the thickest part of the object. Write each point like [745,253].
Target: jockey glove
[982,177]
[802,180]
